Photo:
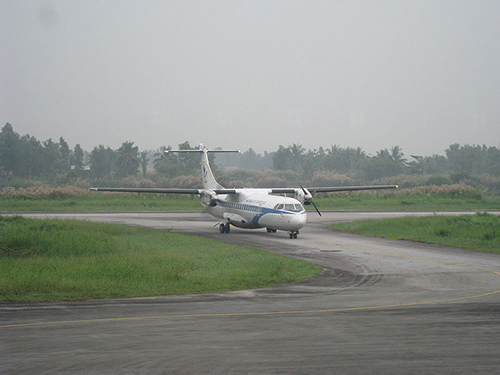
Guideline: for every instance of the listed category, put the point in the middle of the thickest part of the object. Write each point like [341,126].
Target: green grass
[404,202]
[103,202]
[47,260]
[166,202]
[480,232]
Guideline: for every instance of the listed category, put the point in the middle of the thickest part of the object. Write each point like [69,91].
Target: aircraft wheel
[224,228]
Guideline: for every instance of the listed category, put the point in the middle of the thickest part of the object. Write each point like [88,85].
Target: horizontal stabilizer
[150,190]
[210,151]
[224,191]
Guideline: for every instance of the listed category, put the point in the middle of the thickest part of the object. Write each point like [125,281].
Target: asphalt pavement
[379,307]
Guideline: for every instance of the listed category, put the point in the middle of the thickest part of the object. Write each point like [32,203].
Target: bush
[455,191]
[437,181]
[490,182]
[403,181]
[331,179]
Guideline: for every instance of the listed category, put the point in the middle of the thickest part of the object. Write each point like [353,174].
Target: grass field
[46,260]
[405,202]
[102,202]
[163,202]
[480,232]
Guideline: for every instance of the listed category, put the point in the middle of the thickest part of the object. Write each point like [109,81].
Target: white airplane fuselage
[257,209]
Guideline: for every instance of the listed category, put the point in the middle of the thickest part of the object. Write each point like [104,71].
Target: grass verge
[113,202]
[47,260]
[116,202]
[405,202]
[479,232]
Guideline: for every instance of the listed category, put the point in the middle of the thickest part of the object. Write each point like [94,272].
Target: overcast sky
[238,74]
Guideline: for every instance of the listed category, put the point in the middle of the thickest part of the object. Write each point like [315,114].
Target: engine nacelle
[208,198]
[303,196]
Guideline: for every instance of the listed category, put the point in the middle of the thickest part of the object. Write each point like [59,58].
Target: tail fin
[209,181]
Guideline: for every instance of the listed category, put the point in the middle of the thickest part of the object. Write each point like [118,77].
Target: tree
[397,155]
[65,153]
[160,159]
[297,152]
[32,157]
[191,161]
[102,161]
[281,159]
[127,160]
[492,161]
[10,146]
[52,158]
[334,159]
[144,163]
[384,164]
[76,158]
[356,158]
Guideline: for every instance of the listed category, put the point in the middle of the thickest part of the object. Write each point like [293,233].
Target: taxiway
[379,307]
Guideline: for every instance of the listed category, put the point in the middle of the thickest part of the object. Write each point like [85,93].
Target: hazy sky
[240,74]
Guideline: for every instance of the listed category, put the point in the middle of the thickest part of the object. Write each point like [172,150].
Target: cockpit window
[289,207]
[294,207]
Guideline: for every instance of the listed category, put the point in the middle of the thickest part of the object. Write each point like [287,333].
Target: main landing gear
[224,228]
[292,234]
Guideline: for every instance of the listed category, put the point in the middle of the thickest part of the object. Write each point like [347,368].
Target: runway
[379,307]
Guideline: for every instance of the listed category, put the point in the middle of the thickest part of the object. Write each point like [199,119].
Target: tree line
[26,157]
[354,162]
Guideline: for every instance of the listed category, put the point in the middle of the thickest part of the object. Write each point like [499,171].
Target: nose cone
[298,221]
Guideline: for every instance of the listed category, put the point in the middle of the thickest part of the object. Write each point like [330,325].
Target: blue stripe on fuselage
[250,208]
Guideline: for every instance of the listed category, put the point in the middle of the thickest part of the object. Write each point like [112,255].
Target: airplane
[247,207]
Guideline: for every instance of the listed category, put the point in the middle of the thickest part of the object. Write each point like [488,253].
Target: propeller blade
[310,201]
[319,213]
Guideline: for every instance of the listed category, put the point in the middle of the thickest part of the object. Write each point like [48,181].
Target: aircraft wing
[163,190]
[314,190]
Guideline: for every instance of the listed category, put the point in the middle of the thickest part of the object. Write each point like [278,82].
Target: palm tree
[397,155]
[144,163]
[297,155]
[127,161]
[161,157]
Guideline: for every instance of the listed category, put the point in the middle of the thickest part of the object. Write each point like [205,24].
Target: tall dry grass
[45,192]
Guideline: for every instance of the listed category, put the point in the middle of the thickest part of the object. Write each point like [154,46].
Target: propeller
[309,201]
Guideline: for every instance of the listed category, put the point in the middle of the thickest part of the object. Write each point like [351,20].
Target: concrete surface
[380,307]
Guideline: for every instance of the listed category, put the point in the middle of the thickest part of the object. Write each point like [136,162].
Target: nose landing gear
[293,234]
[224,228]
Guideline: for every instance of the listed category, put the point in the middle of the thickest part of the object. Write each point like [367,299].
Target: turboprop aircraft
[250,208]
